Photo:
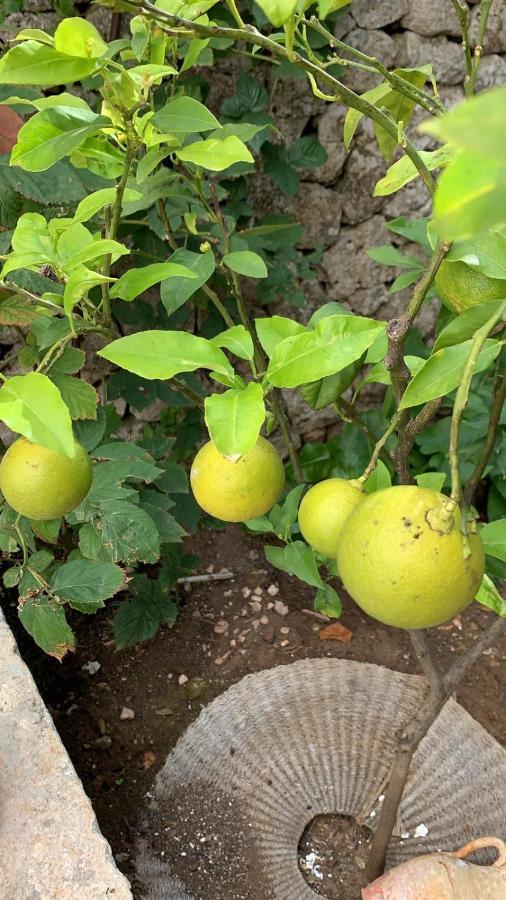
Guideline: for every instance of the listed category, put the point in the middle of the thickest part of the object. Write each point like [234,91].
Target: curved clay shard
[287,744]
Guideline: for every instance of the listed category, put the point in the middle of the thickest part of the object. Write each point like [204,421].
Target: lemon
[401,558]
[460,286]
[241,490]
[324,510]
[43,484]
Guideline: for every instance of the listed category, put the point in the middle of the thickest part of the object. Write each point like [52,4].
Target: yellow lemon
[460,286]
[324,510]
[44,484]
[401,558]
[241,490]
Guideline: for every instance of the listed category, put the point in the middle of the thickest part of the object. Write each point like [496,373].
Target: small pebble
[270,605]
[126,713]
[221,627]
[281,608]
[246,592]
[264,620]
[91,667]
[421,830]
[227,593]
[272,590]
[256,606]
[102,727]
[284,643]
[284,630]
[233,643]
[182,679]
[258,590]
[104,742]
[165,711]
[210,568]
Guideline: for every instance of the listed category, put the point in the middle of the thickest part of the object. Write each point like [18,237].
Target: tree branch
[484,13]
[488,446]
[462,10]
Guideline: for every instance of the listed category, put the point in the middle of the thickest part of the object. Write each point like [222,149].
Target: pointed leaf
[85,584]
[32,406]
[135,281]
[234,419]
[184,115]
[162,354]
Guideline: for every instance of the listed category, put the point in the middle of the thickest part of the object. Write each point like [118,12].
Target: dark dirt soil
[119,723]
[333,855]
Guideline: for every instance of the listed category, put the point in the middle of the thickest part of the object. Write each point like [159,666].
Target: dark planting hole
[332,855]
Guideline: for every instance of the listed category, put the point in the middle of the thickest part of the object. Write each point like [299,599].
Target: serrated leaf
[328,602]
[296,559]
[79,396]
[33,406]
[234,419]
[45,621]
[140,617]
[163,354]
[85,584]
[48,530]
[129,534]
[157,506]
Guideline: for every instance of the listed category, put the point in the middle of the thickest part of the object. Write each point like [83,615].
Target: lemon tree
[119,180]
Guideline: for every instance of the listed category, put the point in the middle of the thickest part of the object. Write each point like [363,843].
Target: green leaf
[45,621]
[434,481]
[403,171]
[32,406]
[353,116]
[470,196]
[47,531]
[140,617]
[336,342]
[244,262]
[296,559]
[399,107]
[216,155]
[163,354]
[391,256]
[488,595]
[52,134]
[34,34]
[378,479]
[177,290]
[149,162]
[157,506]
[307,153]
[135,281]
[79,396]
[486,253]
[493,536]
[478,125]
[128,533]
[283,516]
[78,37]
[93,203]
[271,331]
[278,11]
[34,63]
[85,584]
[237,340]
[328,602]
[463,327]
[184,115]
[442,372]
[234,419]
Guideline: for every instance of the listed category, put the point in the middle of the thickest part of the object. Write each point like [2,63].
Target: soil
[119,719]
[333,855]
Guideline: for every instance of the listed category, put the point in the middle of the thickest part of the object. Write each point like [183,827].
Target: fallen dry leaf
[336,632]
[148,759]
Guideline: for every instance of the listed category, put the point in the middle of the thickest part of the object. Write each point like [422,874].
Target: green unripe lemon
[241,490]
[44,484]
[324,510]
[401,558]
[460,287]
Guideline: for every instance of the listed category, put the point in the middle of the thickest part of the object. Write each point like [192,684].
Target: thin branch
[431,104]
[441,689]
[185,27]
[488,446]
[482,27]
[180,387]
[394,422]
[112,224]
[461,402]
[462,10]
